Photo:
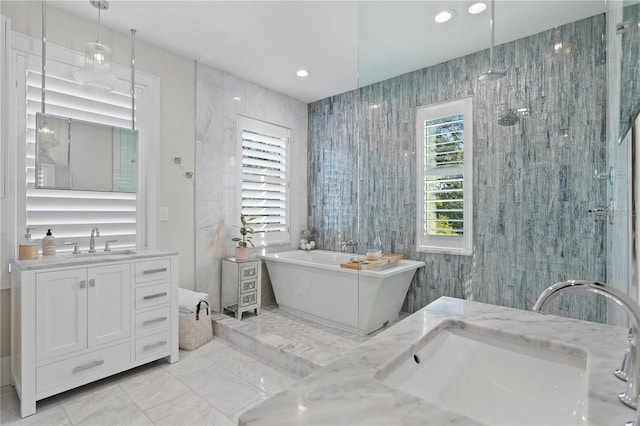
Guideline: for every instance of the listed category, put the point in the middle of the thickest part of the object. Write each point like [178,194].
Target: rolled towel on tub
[188,300]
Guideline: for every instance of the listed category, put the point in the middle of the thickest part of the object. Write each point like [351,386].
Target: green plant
[244,240]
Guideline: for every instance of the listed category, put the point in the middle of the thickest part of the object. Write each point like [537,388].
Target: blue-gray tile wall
[533,182]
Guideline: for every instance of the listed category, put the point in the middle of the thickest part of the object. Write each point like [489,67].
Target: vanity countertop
[68,260]
[347,392]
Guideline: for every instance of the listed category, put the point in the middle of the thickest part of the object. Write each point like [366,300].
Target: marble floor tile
[187,409]
[46,413]
[153,388]
[225,391]
[190,361]
[106,406]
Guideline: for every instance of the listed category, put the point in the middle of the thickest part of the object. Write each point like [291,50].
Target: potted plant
[243,241]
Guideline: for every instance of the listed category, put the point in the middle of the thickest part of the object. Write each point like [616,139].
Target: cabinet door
[61,312]
[109,303]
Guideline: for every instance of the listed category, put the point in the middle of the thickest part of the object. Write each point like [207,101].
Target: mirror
[80,155]
[629,83]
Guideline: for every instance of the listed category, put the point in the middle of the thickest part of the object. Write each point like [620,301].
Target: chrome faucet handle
[107,245]
[76,250]
[622,373]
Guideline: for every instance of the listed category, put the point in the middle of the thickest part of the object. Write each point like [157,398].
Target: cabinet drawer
[152,270]
[95,363]
[152,322]
[154,344]
[153,295]
[248,285]
[248,299]
[249,271]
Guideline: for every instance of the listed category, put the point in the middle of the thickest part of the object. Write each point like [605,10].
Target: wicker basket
[195,328]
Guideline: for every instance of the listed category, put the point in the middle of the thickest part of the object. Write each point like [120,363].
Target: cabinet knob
[92,282]
[83,283]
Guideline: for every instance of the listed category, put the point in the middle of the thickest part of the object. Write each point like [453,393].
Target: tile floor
[212,385]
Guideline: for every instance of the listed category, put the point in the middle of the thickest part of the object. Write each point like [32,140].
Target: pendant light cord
[44,50]
[493,17]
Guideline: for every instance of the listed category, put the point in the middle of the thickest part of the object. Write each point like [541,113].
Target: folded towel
[188,300]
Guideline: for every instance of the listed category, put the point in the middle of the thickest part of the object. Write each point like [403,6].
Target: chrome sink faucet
[631,395]
[95,232]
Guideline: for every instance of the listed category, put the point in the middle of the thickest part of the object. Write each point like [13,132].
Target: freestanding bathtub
[313,285]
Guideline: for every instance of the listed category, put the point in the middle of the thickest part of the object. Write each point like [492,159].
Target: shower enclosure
[546,208]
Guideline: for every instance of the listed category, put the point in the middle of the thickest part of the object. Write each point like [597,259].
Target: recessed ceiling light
[302,73]
[444,16]
[476,8]
[236,98]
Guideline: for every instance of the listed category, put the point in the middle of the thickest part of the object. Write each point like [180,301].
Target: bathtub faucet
[344,245]
[631,395]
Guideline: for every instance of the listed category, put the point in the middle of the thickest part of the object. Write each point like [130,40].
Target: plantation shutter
[445,179]
[72,214]
[264,179]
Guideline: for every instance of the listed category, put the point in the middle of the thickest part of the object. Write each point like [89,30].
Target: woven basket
[195,328]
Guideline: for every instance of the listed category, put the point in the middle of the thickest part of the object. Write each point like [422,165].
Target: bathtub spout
[345,245]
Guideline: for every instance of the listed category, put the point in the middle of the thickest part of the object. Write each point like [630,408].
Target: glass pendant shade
[97,68]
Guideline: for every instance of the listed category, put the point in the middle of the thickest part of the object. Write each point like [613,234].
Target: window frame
[458,245]
[265,239]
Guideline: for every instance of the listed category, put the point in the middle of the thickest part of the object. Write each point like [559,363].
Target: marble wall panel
[534,181]
[216,207]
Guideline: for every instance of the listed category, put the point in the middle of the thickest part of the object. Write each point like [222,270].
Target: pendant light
[493,73]
[97,73]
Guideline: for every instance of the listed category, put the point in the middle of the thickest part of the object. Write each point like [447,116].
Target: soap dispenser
[49,244]
[28,249]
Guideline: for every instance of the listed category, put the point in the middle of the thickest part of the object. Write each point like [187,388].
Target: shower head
[492,75]
[509,119]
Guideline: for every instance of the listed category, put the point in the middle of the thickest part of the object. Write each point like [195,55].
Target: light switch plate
[164,214]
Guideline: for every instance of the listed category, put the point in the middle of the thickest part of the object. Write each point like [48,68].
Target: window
[445,185]
[264,180]
[72,214]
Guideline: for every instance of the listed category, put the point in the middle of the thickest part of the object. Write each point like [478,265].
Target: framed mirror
[81,155]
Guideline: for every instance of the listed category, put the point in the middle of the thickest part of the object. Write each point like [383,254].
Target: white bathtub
[313,285]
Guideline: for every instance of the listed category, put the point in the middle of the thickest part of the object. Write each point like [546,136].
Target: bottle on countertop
[374,252]
[28,249]
[48,244]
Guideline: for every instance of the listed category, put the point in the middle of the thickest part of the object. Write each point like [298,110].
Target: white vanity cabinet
[77,320]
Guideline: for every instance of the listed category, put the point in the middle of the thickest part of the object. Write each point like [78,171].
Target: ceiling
[343,44]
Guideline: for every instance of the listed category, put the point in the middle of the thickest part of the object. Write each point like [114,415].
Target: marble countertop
[347,392]
[69,259]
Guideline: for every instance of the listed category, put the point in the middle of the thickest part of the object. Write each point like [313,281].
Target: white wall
[177,122]
[217,211]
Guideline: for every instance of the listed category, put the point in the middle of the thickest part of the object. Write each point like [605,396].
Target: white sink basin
[101,253]
[496,380]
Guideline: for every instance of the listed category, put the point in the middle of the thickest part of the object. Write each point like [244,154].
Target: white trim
[5,371]
[446,244]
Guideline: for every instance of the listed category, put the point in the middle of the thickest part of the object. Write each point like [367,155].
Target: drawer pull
[154,345]
[153,296]
[87,366]
[83,283]
[92,282]
[153,321]
[154,271]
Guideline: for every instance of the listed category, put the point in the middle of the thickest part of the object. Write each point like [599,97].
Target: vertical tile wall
[217,210]
[534,181]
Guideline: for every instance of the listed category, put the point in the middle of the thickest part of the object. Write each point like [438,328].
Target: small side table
[241,285]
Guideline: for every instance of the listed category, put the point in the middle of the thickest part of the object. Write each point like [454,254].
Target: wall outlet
[164,214]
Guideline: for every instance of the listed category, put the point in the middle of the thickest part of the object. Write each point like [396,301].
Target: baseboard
[5,370]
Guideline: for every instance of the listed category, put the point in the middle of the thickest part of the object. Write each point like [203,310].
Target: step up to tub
[371,264]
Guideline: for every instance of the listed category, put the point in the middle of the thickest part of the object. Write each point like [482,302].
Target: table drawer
[247,286]
[153,295]
[91,364]
[154,344]
[152,322]
[248,299]
[153,270]
[249,271]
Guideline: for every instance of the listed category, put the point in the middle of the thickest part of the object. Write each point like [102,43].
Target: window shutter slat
[72,214]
